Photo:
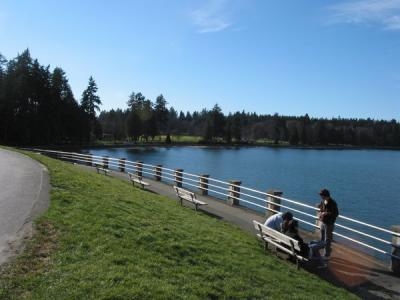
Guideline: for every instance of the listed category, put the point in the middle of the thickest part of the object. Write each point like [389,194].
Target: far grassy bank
[103,239]
[191,140]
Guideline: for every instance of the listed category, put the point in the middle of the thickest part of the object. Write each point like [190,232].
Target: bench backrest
[134,176]
[183,192]
[276,235]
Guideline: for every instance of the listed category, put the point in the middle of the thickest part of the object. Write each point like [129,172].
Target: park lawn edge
[103,239]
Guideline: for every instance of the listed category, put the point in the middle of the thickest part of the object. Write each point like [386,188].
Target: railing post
[395,262]
[203,187]
[105,162]
[158,172]
[273,203]
[90,160]
[178,177]
[234,192]
[122,164]
[317,222]
[139,168]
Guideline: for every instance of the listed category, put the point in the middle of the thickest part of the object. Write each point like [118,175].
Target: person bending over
[275,221]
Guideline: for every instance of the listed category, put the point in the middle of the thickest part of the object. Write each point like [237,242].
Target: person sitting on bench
[310,250]
[275,221]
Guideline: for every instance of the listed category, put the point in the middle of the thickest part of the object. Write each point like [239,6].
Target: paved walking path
[360,273]
[24,194]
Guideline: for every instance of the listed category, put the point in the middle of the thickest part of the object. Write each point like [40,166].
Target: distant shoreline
[220,145]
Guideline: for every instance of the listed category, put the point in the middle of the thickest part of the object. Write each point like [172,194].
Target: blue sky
[324,58]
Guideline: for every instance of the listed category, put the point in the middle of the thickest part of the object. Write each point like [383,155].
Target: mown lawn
[184,139]
[181,138]
[103,239]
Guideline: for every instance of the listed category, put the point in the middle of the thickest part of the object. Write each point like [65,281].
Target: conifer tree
[90,100]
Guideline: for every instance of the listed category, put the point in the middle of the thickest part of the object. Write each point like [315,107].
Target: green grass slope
[103,239]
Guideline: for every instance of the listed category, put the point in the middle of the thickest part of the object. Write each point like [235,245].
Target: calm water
[365,183]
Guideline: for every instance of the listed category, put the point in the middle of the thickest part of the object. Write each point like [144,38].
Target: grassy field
[181,138]
[176,139]
[268,142]
[103,239]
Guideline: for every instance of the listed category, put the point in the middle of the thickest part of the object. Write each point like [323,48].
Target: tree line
[145,120]
[37,107]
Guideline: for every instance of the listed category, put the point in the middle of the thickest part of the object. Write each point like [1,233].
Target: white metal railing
[251,196]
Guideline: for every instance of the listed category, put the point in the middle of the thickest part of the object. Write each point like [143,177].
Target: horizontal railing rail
[242,194]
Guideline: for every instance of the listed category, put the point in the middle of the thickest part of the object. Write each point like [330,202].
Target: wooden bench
[100,168]
[138,179]
[188,196]
[281,241]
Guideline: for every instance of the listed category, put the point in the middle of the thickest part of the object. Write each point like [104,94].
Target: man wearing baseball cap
[328,212]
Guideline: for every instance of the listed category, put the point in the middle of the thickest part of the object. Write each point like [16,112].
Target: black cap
[324,193]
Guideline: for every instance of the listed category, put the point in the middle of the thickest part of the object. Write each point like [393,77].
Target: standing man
[328,212]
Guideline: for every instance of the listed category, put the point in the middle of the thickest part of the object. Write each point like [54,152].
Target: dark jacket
[331,211]
[304,249]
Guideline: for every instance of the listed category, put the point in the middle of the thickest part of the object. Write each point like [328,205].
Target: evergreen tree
[172,120]
[168,139]
[217,120]
[228,129]
[90,100]
[208,131]
[135,126]
[161,113]
[3,62]
[236,127]
[148,120]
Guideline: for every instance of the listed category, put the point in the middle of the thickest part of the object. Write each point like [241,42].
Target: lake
[365,183]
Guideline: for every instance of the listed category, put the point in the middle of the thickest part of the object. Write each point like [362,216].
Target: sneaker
[326,258]
[322,266]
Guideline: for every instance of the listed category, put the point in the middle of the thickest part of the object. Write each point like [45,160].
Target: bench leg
[181,201]
[297,264]
[265,246]
[195,207]
[97,171]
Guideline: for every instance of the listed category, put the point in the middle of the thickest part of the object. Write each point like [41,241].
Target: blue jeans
[327,236]
[315,246]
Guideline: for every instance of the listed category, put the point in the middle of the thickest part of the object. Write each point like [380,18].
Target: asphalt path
[24,195]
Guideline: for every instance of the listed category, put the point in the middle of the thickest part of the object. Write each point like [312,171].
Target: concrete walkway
[24,194]
[362,274]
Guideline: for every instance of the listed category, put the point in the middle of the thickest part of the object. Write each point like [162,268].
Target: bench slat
[276,235]
[288,251]
[138,179]
[141,182]
[188,196]
[276,238]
